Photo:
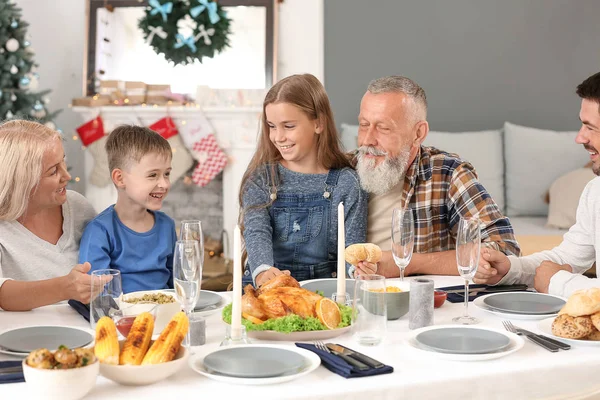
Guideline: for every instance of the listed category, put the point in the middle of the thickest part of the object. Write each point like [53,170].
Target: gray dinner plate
[524,303]
[457,340]
[207,299]
[328,286]
[253,362]
[25,340]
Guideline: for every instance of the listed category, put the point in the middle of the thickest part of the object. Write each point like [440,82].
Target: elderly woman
[41,222]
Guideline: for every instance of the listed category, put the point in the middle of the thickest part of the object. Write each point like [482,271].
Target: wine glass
[187,276]
[106,290]
[468,245]
[403,238]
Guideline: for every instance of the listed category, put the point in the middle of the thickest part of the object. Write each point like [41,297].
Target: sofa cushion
[483,149]
[534,159]
[564,197]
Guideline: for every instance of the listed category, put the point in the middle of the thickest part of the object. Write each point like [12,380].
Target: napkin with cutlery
[11,372]
[82,309]
[338,366]
[456,294]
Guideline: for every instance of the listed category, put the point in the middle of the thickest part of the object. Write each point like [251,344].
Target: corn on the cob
[166,347]
[107,344]
[138,340]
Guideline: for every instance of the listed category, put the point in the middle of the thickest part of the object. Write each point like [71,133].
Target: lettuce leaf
[289,323]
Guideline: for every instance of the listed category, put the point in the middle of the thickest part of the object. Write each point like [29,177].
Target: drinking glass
[468,245]
[187,275]
[106,290]
[369,310]
[191,229]
[403,238]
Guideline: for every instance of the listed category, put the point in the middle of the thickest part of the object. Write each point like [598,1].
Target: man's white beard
[382,178]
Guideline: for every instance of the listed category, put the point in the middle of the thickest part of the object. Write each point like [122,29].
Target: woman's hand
[269,274]
[78,284]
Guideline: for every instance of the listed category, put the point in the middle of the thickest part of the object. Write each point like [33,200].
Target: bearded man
[437,187]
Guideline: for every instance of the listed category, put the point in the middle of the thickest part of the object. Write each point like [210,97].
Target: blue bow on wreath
[163,9]
[210,7]
[189,42]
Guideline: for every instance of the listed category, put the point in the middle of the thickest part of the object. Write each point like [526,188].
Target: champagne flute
[468,245]
[187,276]
[403,238]
[191,229]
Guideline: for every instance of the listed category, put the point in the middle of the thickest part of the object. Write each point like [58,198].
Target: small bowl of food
[64,374]
[397,297]
[439,297]
[168,305]
[124,316]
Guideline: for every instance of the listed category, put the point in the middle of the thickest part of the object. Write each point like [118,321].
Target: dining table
[529,373]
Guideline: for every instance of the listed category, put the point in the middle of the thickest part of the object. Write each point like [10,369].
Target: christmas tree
[18,71]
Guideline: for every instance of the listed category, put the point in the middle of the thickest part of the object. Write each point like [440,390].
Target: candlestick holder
[231,341]
[347,300]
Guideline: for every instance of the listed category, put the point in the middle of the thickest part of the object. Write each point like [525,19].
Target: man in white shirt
[559,271]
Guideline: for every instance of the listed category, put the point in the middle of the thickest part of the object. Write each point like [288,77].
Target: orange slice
[328,313]
[252,319]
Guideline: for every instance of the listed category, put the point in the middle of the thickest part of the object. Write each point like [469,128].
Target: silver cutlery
[356,355]
[531,336]
[355,363]
[558,343]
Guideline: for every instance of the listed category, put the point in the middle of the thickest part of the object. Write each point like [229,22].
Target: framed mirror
[116,49]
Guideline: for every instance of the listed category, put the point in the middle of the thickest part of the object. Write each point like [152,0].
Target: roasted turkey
[279,297]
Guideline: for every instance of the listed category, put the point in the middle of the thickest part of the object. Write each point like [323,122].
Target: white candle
[236,311]
[341,260]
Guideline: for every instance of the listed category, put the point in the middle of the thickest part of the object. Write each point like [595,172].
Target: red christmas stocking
[92,136]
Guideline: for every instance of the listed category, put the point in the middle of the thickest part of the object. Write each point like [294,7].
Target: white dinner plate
[545,326]
[478,302]
[516,344]
[29,338]
[298,336]
[206,309]
[312,362]
[529,303]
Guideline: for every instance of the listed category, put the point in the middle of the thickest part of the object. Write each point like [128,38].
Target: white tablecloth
[530,373]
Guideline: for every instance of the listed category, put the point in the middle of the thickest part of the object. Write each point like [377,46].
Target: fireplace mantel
[236,130]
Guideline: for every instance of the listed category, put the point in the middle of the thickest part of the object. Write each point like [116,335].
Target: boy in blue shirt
[132,235]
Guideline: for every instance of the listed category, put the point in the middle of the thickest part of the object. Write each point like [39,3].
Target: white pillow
[564,197]
[534,159]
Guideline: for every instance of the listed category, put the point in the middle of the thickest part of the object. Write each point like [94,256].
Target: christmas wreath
[185,30]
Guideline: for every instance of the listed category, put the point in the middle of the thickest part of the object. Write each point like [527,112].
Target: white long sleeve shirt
[580,248]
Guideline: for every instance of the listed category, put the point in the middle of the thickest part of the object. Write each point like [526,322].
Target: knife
[355,355]
[338,351]
[555,342]
[489,289]
[11,370]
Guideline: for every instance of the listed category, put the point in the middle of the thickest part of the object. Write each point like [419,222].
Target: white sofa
[517,165]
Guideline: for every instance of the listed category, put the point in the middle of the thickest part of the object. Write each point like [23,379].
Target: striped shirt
[440,188]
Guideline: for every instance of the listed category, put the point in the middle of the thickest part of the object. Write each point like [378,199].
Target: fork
[561,345]
[535,339]
[355,363]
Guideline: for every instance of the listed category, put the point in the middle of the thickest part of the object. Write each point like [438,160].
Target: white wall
[58,36]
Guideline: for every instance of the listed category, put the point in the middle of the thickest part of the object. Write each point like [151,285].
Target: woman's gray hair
[401,84]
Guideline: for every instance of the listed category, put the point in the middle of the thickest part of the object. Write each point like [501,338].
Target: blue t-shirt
[144,259]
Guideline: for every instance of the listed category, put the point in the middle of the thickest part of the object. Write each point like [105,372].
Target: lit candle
[236,311]
[341,260]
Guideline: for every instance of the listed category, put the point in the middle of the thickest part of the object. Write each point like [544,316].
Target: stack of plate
[209,302]
[256,364]
[21,341]
[521,305]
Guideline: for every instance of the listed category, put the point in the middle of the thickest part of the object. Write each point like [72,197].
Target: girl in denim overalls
[291,190]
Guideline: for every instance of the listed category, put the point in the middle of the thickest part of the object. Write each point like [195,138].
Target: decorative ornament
[12,45]
[24,82]
[33,81]
[13,97]
[189,30]
[14,24]
[14,69]
[9,114]
[2,50]
[38,106]
[1,93]
[46,100]
[91,131]
[26,43]
[50,125]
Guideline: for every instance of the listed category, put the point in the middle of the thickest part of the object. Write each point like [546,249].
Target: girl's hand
[269,274]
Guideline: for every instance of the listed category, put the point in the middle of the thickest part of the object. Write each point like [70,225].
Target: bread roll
[362,252]
[572,327]
[583,302]
[596,320]
[595,335]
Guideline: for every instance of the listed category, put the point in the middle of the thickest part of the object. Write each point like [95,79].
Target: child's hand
[268,275]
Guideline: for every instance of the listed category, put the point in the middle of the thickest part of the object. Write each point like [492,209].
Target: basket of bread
[138,360]
[580,317]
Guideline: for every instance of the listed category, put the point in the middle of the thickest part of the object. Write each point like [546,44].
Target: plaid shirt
[441,188]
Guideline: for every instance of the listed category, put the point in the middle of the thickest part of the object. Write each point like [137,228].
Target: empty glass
[369,314]
[403,238]
[187,275]
[106,294]
[191,229]
[468,245]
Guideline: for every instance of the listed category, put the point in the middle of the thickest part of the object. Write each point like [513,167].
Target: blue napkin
[336,365]
[82,309]
[12,377]
[459,297]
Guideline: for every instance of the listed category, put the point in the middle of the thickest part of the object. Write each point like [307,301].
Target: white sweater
[26,257]
[580,248]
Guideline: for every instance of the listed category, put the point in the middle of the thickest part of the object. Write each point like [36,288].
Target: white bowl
[60,384]
[164,312]
[139,375]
